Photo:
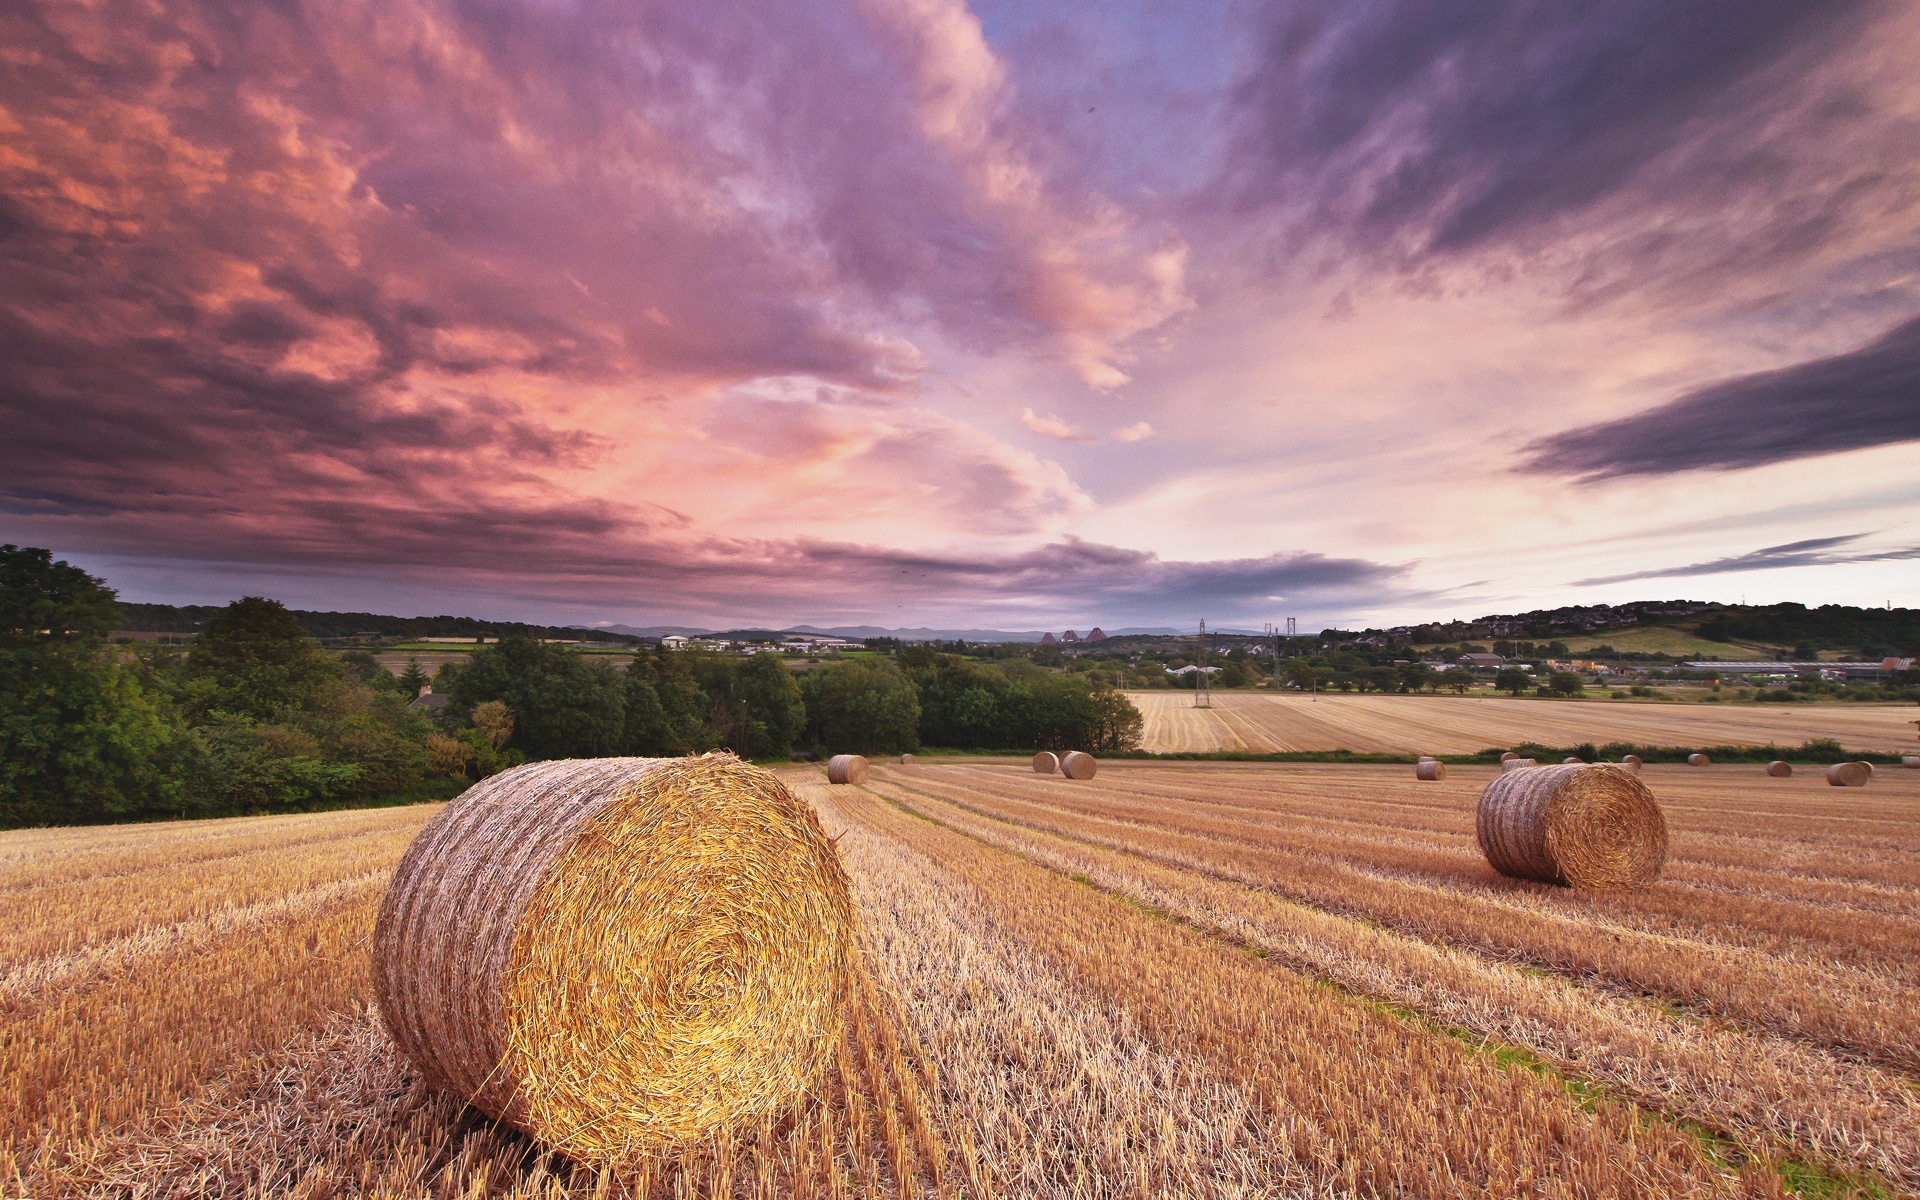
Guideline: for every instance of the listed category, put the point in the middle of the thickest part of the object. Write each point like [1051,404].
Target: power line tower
[1203,682]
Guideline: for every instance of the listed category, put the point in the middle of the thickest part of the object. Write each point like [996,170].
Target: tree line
[255,717]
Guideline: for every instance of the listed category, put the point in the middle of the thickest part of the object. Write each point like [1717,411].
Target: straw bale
[619,955]
[1849,774]
[1630,760]
[847,768]
[1699,760]
[1571,759]
[1584,826]
[1046,763]
[1429,769]
[1075,765]
[1910,761]
[1509,756]
[1516,764]
[1779,770]
[906,760]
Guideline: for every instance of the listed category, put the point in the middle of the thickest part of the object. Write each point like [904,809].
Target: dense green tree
[564,705]
[412,679]
[865,706]
[1512,679]
[253,659]
[768,712]
[1566,683]
[666,708]
[79,740]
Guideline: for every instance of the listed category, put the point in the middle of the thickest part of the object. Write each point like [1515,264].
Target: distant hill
[186,618]
[861,632]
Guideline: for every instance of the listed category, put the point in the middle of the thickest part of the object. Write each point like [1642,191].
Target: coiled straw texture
[1581,826]
[1046,763]
[1849,774]
[1076,765]
[1430,769]
[619,955]
[847,768]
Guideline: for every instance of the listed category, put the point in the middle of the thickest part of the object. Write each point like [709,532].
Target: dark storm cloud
[1812,552]
[1867,397]
[1425,127]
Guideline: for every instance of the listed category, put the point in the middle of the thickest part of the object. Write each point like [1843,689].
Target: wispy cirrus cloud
[1135,432]
[1809,552]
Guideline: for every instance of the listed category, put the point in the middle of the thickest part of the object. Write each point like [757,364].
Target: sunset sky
[1017,314]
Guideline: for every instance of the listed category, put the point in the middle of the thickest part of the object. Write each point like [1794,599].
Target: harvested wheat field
[1269,721]
[1214,980]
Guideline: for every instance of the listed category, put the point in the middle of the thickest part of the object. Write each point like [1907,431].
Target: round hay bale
[1515,764]
[1581,826]
[619,955]
[1075,765]
[1849,774]
[1699,760]
[1571,759]
[1046,763]
[1429,770]
[906,760]
[1910,761]
[847,768]
[1509,756]
[1779,770]
[1630,760]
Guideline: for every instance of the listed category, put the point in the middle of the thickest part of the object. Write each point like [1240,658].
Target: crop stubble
[199,1022]
[1263,722]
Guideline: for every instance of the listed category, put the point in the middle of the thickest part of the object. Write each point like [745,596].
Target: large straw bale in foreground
[847,768]
[1076,765]
[1430,769]
[1583,826]
[619,955]
[1046,763]
[1849,774]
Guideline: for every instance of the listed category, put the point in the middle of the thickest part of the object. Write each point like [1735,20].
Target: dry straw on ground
[1583,826]
[1699,760]
[1515,764]
[1045,763]
[1849,774]
[1429,769]
[847,768]
[1779,770]
[1076,765]
[619,955]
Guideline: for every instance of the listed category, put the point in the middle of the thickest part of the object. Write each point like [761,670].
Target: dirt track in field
[1465,724]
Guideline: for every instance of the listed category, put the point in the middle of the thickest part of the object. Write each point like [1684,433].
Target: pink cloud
[1134,432]
[1053,427]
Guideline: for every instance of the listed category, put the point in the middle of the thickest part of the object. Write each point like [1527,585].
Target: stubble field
[1265,722]
[1172,980]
